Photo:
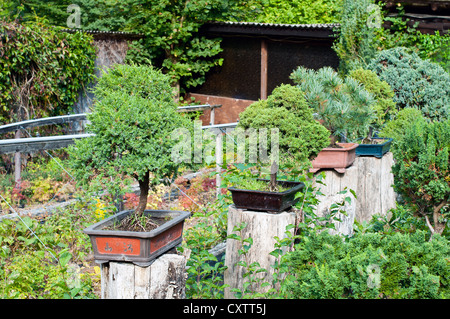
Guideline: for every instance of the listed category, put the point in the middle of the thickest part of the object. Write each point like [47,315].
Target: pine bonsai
[343,106]
[132,119]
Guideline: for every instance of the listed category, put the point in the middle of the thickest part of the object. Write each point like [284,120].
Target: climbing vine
[42,70]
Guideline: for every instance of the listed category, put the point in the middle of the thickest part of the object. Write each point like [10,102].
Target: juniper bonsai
[132,120]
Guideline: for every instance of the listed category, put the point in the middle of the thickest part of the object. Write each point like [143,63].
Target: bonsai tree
[343,106]
[421,170]
[132,120]
[301,136]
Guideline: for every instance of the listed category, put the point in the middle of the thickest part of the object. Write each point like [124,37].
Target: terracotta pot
[276,202]
[336,158]
[140,248]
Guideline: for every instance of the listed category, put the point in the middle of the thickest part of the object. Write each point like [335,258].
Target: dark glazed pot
[265,200]
[377,150]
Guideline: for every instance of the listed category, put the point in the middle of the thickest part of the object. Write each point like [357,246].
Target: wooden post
[262,228]
[163,279]
[371,178]
[264,62]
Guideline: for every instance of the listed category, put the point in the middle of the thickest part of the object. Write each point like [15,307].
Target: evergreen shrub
[416,83]
[301,137]
[421,170]
[385,108]
[371,266]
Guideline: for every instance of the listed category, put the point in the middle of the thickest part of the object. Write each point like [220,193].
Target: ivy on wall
[42,70]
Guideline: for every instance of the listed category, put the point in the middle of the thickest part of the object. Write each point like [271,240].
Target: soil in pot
[138,222]
[260,185]
[373,141]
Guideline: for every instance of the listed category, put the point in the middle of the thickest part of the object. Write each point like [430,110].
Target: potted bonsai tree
[343,106]
[132,120]
[300,139]
[385,111]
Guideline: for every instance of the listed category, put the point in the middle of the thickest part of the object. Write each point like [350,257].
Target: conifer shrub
[370,266]
[395,128]
[301,137]
[416,83]
[385,108]
[421,170]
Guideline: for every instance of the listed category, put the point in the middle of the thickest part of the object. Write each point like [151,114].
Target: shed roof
[321,31]
[107,34]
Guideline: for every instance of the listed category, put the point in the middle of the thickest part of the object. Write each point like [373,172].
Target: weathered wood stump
[371,179]
[262,228]
[163,279]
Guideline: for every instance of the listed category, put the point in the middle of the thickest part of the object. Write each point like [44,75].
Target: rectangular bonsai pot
[265,200]
[336,158]
[377,150]
[140,248]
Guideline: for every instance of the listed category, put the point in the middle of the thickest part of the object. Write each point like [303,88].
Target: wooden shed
[259,57]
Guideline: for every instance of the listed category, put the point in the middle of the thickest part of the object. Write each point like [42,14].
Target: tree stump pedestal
[262,227]
[163,279]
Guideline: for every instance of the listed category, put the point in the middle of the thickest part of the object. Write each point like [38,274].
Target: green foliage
[434,47]
[29,270]
[371,265]
[297,12]
[421,171]
[344,106]
[417,83]
[132,120]
[395,128]
[43,70]
[205,271]
[301,137]
[355,44]
[384,107]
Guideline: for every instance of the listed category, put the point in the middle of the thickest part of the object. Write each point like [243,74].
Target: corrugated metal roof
[329,26]
[317,31]
[106,34]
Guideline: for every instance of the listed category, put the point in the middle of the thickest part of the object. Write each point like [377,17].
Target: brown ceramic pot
[335,158]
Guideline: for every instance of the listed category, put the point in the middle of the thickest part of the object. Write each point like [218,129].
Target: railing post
[17,163]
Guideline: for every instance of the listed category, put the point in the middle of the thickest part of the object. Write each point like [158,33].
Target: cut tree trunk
[164,279]
[262,228]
